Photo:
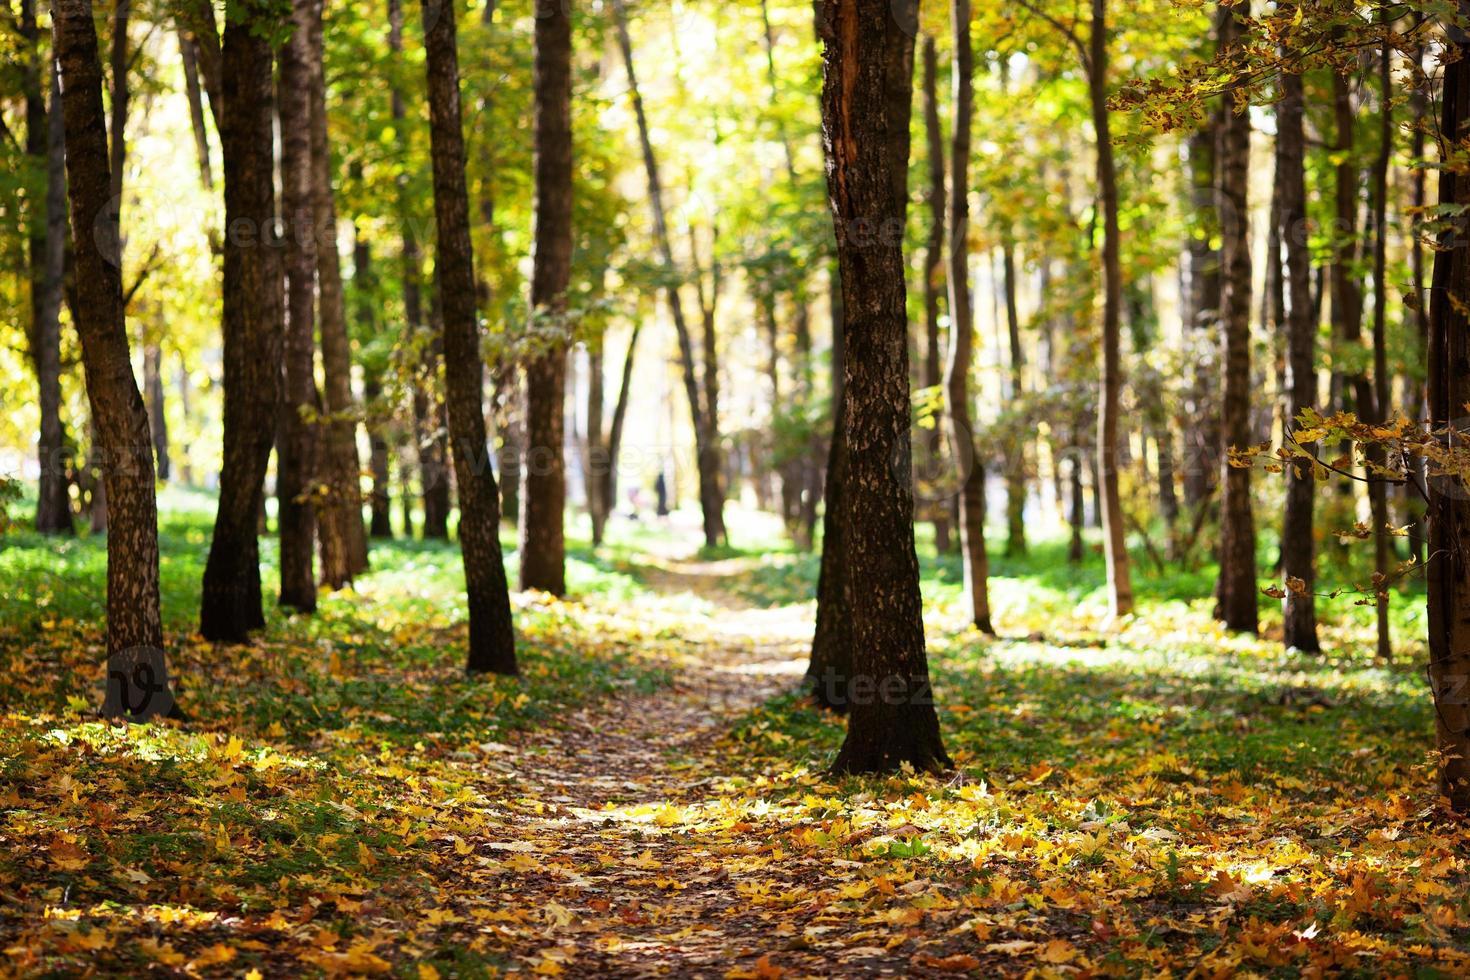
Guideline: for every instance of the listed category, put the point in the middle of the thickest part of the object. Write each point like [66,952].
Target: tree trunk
[1237,607]
[339,516]
[1115,544]
[962,334]
[134,621]
[830,666]
[252,304]
[189,55]
[1449,389]
[544,480]
[296,450]
[492,637]
[1202,435]
[153,399]
[706,423]
[1015,456]
[380,498]
[45,144]
[1299,613]
[1415,389]
[934,278]
[1378,489]
[866,92]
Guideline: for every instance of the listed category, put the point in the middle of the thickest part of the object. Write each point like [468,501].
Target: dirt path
[610,861]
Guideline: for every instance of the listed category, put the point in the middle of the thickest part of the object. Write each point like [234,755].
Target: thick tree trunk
[934,273]
[1237,607]
[1299,613]
[45,144]
[962,334]
[492,637]
[1115,544]
[706,422]
[231,605]
[134,622]
[543,477]
[866,91]
[339,516]
[1378,489]
[1448,573]
[296,450]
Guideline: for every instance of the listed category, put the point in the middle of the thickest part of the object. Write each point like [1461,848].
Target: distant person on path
[661,494]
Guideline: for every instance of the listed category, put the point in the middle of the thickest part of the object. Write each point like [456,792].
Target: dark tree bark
[45,145]
[603,451]
[339,516]
[380,499]
[1299,614]
[118,59]
[705,418]
[296,450]
[543,477]
[134,621]
[867,85]
[492,637]
[934,273]
[1237,607]
[830,667]
[429,429]
[1448,573]
[189,55]
[231,605]
[1202,430]
[1378,489]
[1416,389]
[962,334]
[1115,544]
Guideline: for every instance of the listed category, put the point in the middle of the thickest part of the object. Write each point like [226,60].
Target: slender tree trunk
[296,449]
[1115,544]
[596,455]
[339,516]
[252,304]
[1448,573]
[380,499]
[866,92]
[544,481]
[1416,389]
[934,276]
[1016,451]
[1237,587]
[153,399]
[134,621]
[189,55]
[1378,489]
[492,637]
[706,426]
[962,333]
[45,144]
[1298,568]
[1202,433]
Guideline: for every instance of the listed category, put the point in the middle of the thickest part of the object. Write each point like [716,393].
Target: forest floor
[650,797]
